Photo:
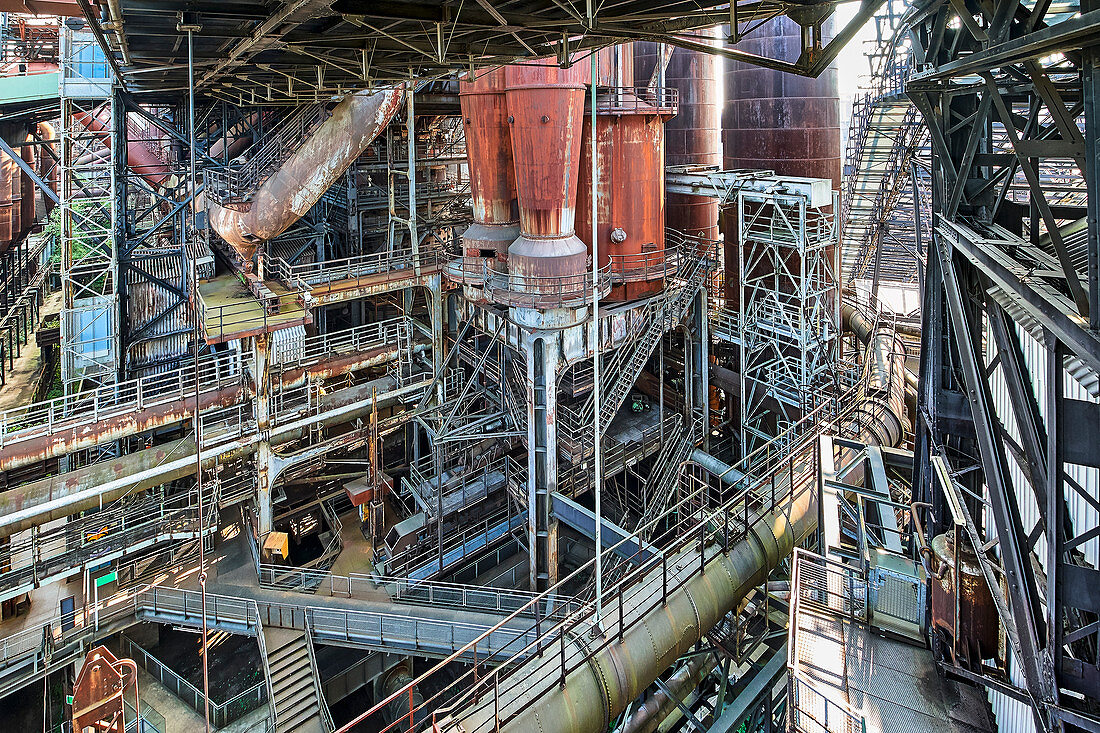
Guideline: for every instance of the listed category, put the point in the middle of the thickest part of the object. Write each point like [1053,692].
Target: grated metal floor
[894,685]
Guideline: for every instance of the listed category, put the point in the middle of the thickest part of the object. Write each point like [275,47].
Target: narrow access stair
[295,691]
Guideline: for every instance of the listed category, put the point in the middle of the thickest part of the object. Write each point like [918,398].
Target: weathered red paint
[492,172]
[546,108]
[629,196]
[139,157]
[86,434]
[692,137]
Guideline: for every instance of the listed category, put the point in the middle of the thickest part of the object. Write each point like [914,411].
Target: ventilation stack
[492,173]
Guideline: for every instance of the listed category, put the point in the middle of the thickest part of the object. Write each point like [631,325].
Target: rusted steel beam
[93,486]
[83,434]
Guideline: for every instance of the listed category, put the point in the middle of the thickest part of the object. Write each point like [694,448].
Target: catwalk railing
[121,399]
[705,520]
[321,277]
[822,586]
[31,559]
[362,586]
[235,184]
[221,713]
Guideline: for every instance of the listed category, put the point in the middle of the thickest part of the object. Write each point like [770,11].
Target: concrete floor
[358,553]
[22,381]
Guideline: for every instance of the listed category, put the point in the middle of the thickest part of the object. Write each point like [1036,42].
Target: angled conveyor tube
[288,193]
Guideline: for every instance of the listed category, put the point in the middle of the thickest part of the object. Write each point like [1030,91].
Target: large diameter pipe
[299,183]
[656,708]
[139,158]
[596,692]
[725,472]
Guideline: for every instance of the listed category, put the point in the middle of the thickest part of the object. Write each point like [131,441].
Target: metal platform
[849,678]
[228,310]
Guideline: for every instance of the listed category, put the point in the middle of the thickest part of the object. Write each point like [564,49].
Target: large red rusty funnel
[546,107]
[492,174]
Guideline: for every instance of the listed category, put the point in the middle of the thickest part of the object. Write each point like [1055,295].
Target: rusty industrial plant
[611,367]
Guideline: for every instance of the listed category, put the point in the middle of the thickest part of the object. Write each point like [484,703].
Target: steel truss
[789,319]
[155,252]
[1006,445]
[89,215]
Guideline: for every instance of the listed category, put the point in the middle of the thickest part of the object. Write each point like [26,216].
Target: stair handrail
[322,704]
[272,716]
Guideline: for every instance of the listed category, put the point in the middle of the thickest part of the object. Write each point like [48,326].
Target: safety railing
[386,589]
[235,184]
[707,517]
[644,266]
[576,477]
[123,398]
[545,291]
[251,315]
[323,276]
[357,339]
[422,560]
[832,588]
[221,713]
[32,559]
[654,100]
[462,485]
[467,269]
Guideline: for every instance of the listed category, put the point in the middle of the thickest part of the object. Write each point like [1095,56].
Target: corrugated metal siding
[1010,714]
[168,338]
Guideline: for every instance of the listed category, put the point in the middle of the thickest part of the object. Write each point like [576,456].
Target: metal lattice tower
[789,310]
[89,259]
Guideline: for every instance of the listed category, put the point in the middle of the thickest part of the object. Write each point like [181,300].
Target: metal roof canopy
[253,52]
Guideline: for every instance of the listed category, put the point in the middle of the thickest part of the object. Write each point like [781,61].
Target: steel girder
[1010,95]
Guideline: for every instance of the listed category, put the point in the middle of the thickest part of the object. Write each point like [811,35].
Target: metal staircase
[885,185]
[295,692]
[660,486]
[235,184]
[625,365]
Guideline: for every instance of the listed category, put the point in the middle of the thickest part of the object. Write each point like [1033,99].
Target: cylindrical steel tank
[9,207]
[492,173]
[692,137]
[545,110]
[49,169]
[26,186]
[615,66]
[630,200]
[976,630]
[777,121]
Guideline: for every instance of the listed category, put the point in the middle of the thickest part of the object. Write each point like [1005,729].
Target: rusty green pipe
[598,691]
